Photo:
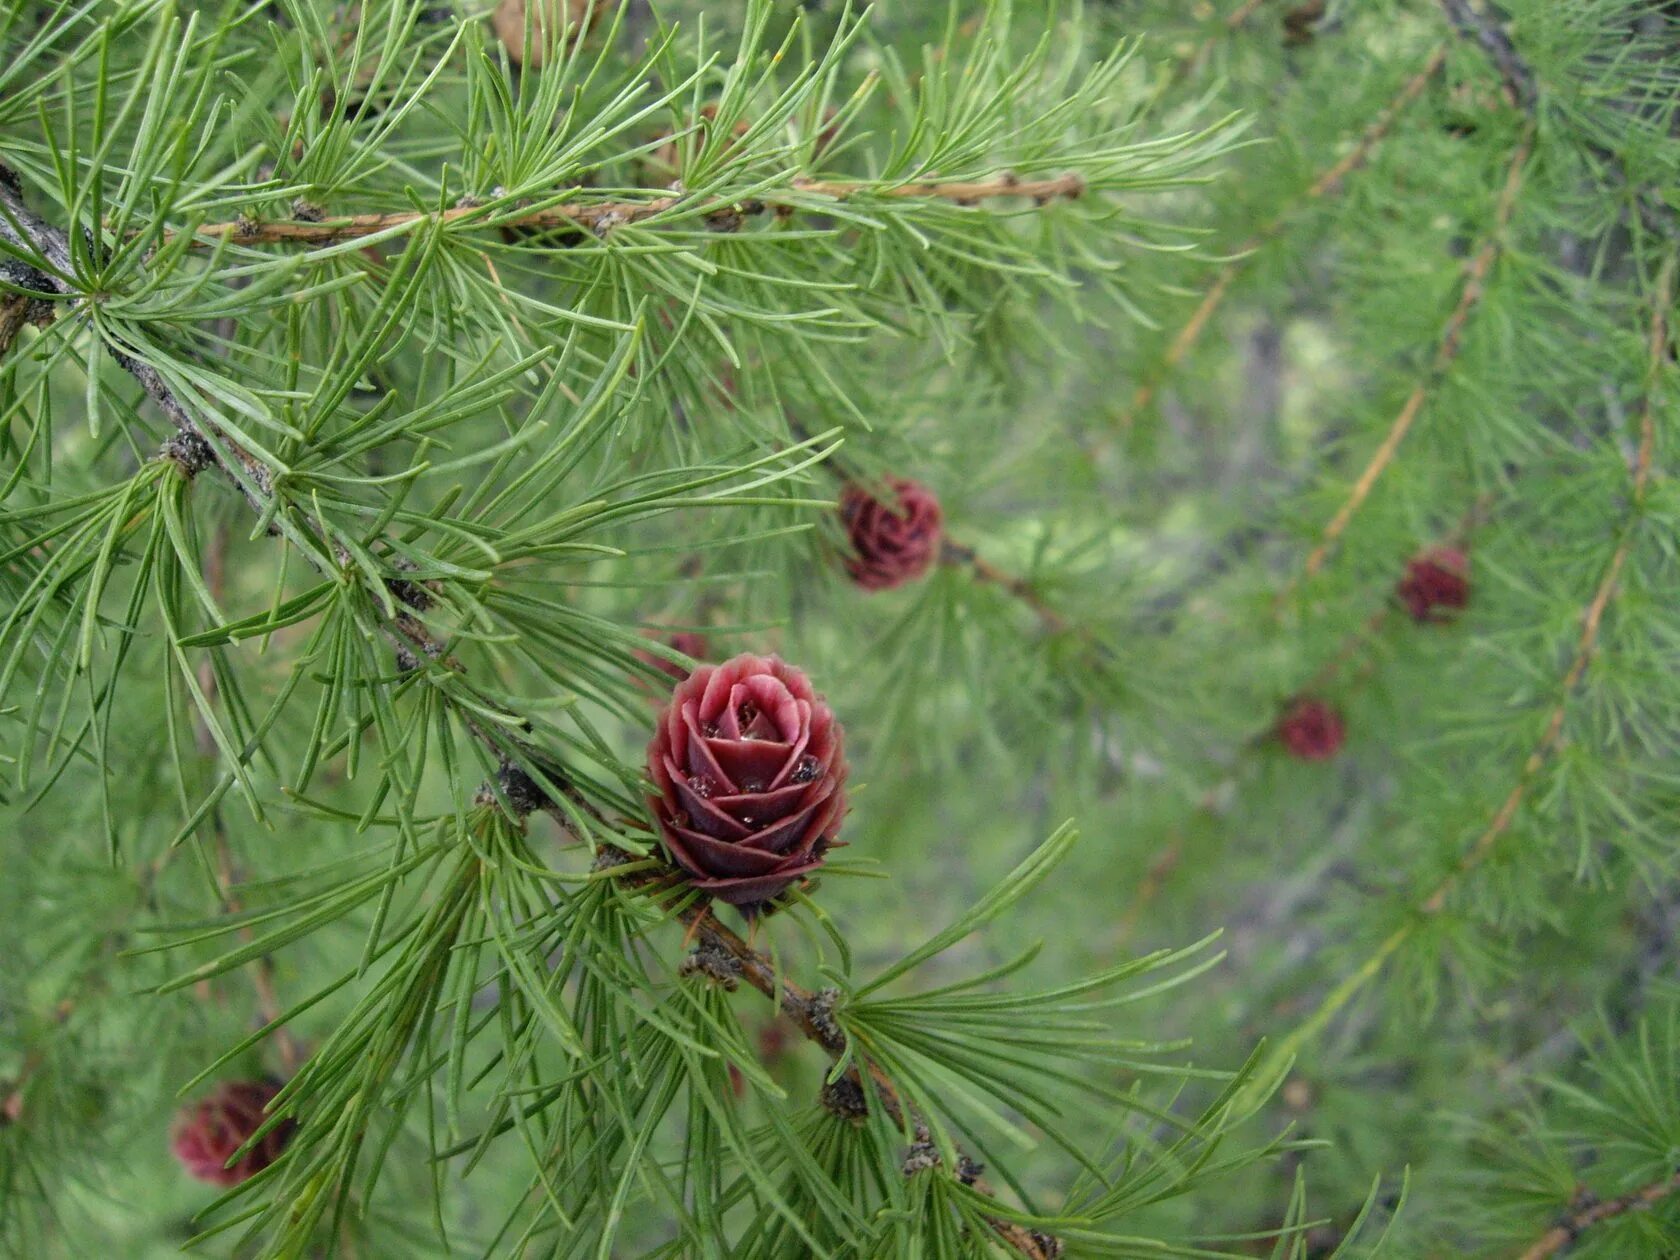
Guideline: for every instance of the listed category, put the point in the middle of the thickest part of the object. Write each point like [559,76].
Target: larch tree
[772,630]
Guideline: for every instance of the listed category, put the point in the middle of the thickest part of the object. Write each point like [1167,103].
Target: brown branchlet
[714,963]
[844,1098]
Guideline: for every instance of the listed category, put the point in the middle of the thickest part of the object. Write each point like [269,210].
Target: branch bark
[603,216]
[16,310]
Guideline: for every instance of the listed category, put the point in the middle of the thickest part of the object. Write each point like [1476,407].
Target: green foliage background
[1498,1058]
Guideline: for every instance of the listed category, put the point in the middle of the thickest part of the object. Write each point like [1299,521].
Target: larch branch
[1446,353]
[25,230]
[1592,619]
[603,216]
[1590,1210]
[1328,182]
[1521,87]
[1352,645]
[960,556]
[811,1012]
[408,635]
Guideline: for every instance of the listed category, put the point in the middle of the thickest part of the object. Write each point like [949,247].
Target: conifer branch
[1592,620]
[480,544]
[1593,617]
[24,230]
[1169,856]
[1521,88]
[555,601]
[1446,353]
[960,556]
[727,953]
[810,1012]
[723,215]
[1589,1210]
[1328,182]
[1357,639]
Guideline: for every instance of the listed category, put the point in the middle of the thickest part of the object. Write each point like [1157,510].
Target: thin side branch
[24,230]
[1328,182]
[602,217]
[1446,353]
[959,556]
[1521,88]
[1356,641]
[1591,1210]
